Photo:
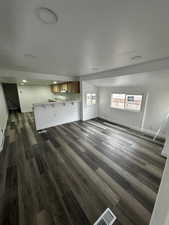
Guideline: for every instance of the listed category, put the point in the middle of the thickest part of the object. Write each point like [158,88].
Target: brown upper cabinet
[67,87]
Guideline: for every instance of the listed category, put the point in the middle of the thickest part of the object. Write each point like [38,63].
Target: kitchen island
[51,114]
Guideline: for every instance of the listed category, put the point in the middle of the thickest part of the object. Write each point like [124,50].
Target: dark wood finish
[56,88]
[70,87]
[73,172]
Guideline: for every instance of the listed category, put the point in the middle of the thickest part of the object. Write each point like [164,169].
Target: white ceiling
[13,76]
[90,36]
[40,82]
[157,80]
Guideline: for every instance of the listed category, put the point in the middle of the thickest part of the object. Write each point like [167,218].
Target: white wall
[3,116]
[123,117]
[149,119]
[160,214]
[157,110]
[29,95]
[55,113]
[88,111]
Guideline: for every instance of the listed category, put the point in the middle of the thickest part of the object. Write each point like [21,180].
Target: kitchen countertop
[54,102]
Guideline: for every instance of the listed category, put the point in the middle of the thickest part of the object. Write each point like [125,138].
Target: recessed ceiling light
[24,81]
[54,82]
[47,15]
[136,57]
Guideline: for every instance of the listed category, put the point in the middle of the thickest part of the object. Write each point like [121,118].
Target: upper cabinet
[55,88]
[67,87]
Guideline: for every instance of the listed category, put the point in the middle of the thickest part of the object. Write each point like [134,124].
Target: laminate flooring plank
[106,190]
[142,188]
[83,189]
[71,173]
[116,176]
[133,163]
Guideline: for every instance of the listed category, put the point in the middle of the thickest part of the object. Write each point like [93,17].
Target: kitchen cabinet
[73,87]
[56,88]
[64,87]
[67,87]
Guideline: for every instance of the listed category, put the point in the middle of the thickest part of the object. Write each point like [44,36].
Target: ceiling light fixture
[136,57]
[47,15]
[54,82]
[24,81]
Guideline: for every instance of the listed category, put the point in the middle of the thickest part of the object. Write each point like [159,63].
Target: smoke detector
[47,16]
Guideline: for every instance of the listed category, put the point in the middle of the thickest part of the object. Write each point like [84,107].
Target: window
[118,101]
[91,99]
[125,101]
[133,102]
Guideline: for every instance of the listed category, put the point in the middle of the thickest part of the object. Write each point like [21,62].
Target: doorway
[11,96]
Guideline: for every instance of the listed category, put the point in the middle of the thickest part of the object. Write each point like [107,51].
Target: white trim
[91,93]
[125,109]
[146,131]
[3,135]
[164,154]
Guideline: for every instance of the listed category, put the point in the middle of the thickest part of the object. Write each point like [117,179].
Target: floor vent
[107,218]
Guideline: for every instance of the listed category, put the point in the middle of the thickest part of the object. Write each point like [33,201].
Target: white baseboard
[164,154]
[153,133]
[3,135]
[2,144]
[146,131]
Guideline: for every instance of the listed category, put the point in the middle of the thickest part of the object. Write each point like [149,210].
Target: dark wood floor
[72,173]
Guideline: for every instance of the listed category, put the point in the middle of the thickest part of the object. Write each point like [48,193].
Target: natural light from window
[126,101]
[91,99]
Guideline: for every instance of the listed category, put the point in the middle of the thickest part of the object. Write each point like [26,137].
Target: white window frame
[91,98]
[125,109]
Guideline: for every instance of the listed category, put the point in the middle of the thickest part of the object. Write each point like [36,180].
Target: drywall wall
[152,113]
[3,116]
[29,95]
[88,111]
[123,117]
[157,110]
[160,214]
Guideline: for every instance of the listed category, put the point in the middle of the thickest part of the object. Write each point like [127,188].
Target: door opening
[12,98]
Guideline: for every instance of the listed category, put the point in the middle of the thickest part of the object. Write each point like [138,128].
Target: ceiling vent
[107,218]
